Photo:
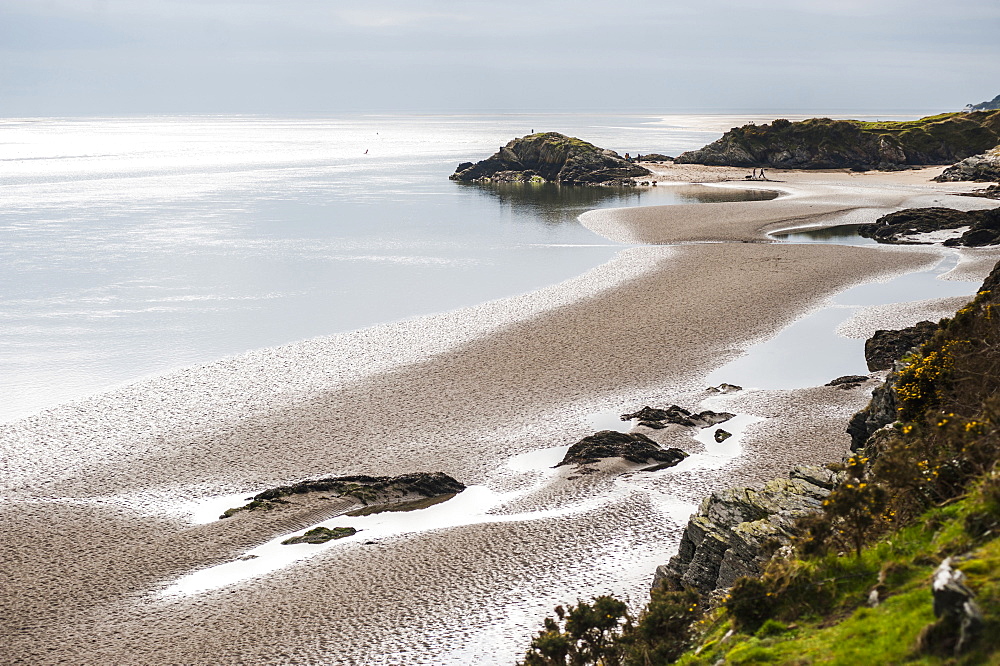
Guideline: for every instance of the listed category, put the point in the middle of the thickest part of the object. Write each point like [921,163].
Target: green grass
[850,632]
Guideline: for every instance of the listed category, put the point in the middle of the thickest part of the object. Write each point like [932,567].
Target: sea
[131,247]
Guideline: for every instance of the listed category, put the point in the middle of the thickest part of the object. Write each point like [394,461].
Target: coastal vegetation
[823,143]
[897,564]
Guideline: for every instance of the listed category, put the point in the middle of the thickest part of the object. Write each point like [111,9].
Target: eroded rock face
[886,347]
[634,447]
[555,158]
[822,143]
[727,537]
[903,227]
[982,168]
[880,412]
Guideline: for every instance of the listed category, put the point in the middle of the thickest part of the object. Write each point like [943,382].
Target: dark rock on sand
[724,388]
[321,535]
[634,447]
[886,347]
[735,530]
[722,435]
[982,168]
[897,228]
[655,157]
[822,143]
[365,489]
[849,381]
[991,192]
[552,157]
[653,417]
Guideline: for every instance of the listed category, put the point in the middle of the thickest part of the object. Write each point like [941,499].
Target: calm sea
[133,246]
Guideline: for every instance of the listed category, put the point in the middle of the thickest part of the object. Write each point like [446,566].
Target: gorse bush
[603,632]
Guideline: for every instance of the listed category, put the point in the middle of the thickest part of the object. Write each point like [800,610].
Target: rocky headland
[550,157]
[822,143]
[985,106]
[923,226]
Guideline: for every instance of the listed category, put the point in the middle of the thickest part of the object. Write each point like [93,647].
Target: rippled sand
[92,520]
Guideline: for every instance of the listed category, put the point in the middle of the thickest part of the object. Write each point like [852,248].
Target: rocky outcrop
[848,381]
[555,158]
[724,388]
[982,168]
[321,535]
[975,228]
[991,192]
[960,621]
[654,157]
[822,143]
[634,447]
[735,531]
[653,417]
[365,489]
[886,347]
[880,412]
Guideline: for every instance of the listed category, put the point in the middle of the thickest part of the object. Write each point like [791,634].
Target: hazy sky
[82,57]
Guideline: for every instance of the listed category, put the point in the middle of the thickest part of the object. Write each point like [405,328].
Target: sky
[125,57]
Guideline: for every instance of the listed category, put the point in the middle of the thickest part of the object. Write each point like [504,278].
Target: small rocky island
[550,157]
[822,143]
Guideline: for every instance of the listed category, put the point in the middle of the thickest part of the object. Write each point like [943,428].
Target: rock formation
[634,447]
[982,168]
[364,489]
[735,530]
[886,347]
[321,535]
[652,417]
[822,143]
[848,381]
[902,227]
[552,157]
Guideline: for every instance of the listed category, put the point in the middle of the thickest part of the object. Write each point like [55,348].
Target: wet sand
[92,530]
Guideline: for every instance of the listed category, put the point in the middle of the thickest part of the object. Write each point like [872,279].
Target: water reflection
[557,204]
[842,234]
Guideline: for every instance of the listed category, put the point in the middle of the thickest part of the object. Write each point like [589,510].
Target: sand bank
[91,528]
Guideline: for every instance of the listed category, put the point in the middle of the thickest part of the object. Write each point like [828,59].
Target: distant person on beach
[762,176]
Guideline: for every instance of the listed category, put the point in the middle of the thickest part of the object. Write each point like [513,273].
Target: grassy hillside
[855,583]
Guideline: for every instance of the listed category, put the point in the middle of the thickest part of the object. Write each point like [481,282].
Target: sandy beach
[94,492]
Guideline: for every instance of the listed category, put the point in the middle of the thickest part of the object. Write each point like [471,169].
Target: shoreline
[508,379]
